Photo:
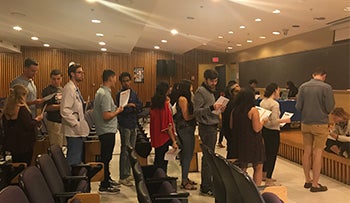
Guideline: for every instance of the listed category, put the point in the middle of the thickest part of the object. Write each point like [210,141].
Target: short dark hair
[73,68]
[270,89]
[30,62]
[253,81]
[123,75]
[319,71]
[210,74]
[107,74]
[55,72]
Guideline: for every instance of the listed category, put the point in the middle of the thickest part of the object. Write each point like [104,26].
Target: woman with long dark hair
[185,126]
[246,125]
[161,125]
[271,130]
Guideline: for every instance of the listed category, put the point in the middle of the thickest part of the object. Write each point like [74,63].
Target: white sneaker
[130,178]
[126,182]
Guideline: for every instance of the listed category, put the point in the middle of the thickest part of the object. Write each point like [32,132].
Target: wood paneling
[94,63]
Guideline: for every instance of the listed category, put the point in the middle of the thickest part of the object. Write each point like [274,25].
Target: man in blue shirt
[127,127]
[105,115]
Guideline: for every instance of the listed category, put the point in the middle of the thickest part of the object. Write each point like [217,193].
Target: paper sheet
[263,113]
[223,101]
[48,97]
[124,98]
[171,154]
[286,115]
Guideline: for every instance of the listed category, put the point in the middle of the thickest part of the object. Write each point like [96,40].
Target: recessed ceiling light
[46,45]
[204,44]
[18,28]
[230,32]
[91,1]
[220,37]
[34,38]
[230,48]
[163,41]
[157,47]
[347,9]
[258,20]
[102,43]
[276,33]
[95,21]
[174,32]
[103,49]
[99,35]
[262,37]
[239,45]
[295,26]
[276,11]
[242,26]
[249,41]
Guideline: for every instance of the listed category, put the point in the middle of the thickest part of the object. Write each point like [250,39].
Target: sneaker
[208,193]
[114,183]
[130,178]
[108,190]
[321,188]
[126,182]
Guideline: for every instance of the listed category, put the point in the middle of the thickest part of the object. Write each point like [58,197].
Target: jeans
[107,144]
[75,146]
[272,143]
[186,136]
[208,135]
[159,161]
[127,138]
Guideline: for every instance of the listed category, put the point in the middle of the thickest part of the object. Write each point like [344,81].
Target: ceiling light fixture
[17,28]
[34,38]
[239,45]
[230,32]
[250,41]
[347,9]
[276,11]
[296,26]
[230,48]
[262,37]
[220,37]
[91,1]
[103,49]
[174,32]
[102,43]
[157,47]
[258,20]
[242,26]
[276,33]
[95,21]
[163,41]
[46,45]
[99,35]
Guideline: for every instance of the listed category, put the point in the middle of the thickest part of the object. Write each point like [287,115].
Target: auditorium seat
[13,194]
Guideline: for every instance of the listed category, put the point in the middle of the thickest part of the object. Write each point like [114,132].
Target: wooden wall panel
[94,63]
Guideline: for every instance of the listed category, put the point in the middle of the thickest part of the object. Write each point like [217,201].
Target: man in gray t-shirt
[315,101]
[26,79]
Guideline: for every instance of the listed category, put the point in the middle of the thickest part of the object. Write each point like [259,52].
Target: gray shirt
[315,100]
[29,84]
[273,106]
[203,99]
[104,103]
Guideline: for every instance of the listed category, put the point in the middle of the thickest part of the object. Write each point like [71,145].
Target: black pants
[159,161]
[272,143]
[107,144]
[25,157]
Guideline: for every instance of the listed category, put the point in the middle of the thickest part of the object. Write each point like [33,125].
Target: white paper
[171,154]
[286,115]
[48,97]
[263,113]
[223,101]
[124,98]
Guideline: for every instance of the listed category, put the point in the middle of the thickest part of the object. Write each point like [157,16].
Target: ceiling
[127,24]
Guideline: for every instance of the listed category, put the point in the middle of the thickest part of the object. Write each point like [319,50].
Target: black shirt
[53,116]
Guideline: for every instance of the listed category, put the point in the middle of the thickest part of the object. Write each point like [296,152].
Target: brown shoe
[321,188]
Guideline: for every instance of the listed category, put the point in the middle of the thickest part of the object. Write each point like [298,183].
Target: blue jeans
[208,135]
[186,136]
[127,138]
[75,146]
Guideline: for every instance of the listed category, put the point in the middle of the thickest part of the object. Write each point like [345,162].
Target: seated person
[339,140]
[293,90]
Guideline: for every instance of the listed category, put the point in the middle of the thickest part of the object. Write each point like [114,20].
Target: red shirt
[160,120]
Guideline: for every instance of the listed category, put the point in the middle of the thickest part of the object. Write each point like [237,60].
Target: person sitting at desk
[293,90]
[339,140]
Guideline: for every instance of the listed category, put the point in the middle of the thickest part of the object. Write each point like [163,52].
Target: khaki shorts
[315,135]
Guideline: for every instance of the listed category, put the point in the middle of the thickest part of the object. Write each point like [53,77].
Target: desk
[287,106]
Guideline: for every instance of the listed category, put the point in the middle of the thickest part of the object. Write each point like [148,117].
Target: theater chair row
[52,180]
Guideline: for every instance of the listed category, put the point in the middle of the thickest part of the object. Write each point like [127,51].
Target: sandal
[191,182]
[187,186]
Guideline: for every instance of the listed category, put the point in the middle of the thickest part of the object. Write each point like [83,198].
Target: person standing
[30,69]
[19,126]
[74,125]
[315,100]
[271,130]
[53,115]
[105,115]
[127,128]
[204,104]
[161,125]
